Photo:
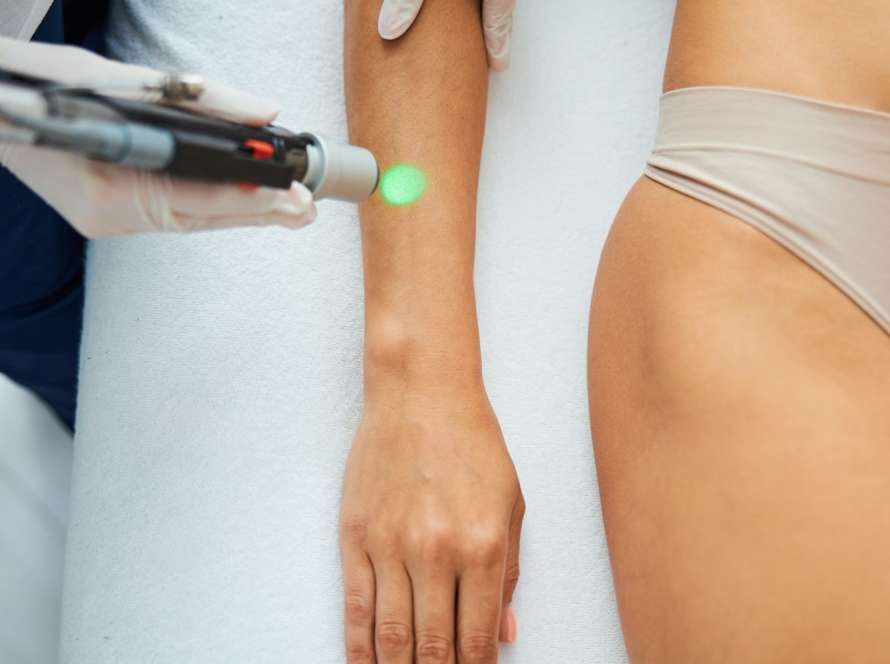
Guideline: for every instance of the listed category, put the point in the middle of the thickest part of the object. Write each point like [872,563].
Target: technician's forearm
[420,100]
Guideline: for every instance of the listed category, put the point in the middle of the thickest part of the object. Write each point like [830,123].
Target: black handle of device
[205,148]
[221,151]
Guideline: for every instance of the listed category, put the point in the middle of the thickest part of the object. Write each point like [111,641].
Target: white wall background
[35,466]
[220,378]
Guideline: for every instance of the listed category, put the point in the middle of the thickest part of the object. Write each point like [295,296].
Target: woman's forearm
[430,552]
[420,100]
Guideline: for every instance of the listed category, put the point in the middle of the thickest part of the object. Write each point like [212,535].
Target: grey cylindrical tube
[148,148]
[338,170]
[134,145]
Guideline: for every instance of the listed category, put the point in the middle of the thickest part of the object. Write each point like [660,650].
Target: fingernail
[388,24]
[511,625]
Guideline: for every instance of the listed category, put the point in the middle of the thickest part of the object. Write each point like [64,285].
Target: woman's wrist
[417,355]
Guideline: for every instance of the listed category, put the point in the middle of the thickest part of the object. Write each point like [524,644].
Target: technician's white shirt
[20,18]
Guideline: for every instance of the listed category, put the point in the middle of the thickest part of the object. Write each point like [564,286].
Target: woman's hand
[430,523]
[431,507]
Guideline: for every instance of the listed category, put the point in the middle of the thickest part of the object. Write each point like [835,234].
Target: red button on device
[260,149]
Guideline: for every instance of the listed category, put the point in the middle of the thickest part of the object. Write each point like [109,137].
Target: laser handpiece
[164,139]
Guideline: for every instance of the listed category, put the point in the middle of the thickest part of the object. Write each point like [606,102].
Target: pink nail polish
[511,625]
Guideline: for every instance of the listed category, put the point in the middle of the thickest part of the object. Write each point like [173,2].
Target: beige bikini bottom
[814,176]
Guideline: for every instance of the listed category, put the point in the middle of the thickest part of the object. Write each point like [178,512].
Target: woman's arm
[431,503]
[420,100]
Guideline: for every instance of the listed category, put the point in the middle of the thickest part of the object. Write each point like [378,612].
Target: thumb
[511,572]
[193,206]
[228,103]
[396,16]
[497,23]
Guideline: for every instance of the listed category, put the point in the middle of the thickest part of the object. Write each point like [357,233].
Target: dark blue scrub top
[42,263]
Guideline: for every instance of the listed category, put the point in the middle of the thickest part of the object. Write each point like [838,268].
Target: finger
[73,66]
[228,103]
[396,16]
[200,206]
[511,571]
[77,66]
[497,23]
[359,592]
[393,616]
[434,598]
[64,64]
[507,630]
[478,611]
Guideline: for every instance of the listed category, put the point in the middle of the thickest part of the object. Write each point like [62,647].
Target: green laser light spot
[402,184]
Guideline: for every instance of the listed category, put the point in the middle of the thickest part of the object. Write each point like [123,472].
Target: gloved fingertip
[297,208]
[223,101]
[497,46]
[300,195]
[499,63]
[306,217]
[389,27]
[396,16]
[263,112]
[290,221]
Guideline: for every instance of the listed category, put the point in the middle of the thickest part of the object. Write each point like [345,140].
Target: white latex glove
[396,16]
[101,199]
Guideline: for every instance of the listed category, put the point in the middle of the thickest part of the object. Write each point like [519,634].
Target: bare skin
[740,403]
[432,507]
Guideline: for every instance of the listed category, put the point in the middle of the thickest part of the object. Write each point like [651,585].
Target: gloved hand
[101,199]
[396,16]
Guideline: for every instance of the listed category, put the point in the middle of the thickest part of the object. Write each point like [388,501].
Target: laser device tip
[339,171]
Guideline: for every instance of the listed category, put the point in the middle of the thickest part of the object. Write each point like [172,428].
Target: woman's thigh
[740,407]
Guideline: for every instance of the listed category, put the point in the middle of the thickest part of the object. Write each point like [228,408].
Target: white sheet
[35,467]
[221,374]
[20,18]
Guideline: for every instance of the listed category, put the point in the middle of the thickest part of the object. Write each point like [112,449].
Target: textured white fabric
[221,380]
[35,466]
[20,18]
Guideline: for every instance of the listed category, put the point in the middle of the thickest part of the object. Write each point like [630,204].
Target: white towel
[221,378]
